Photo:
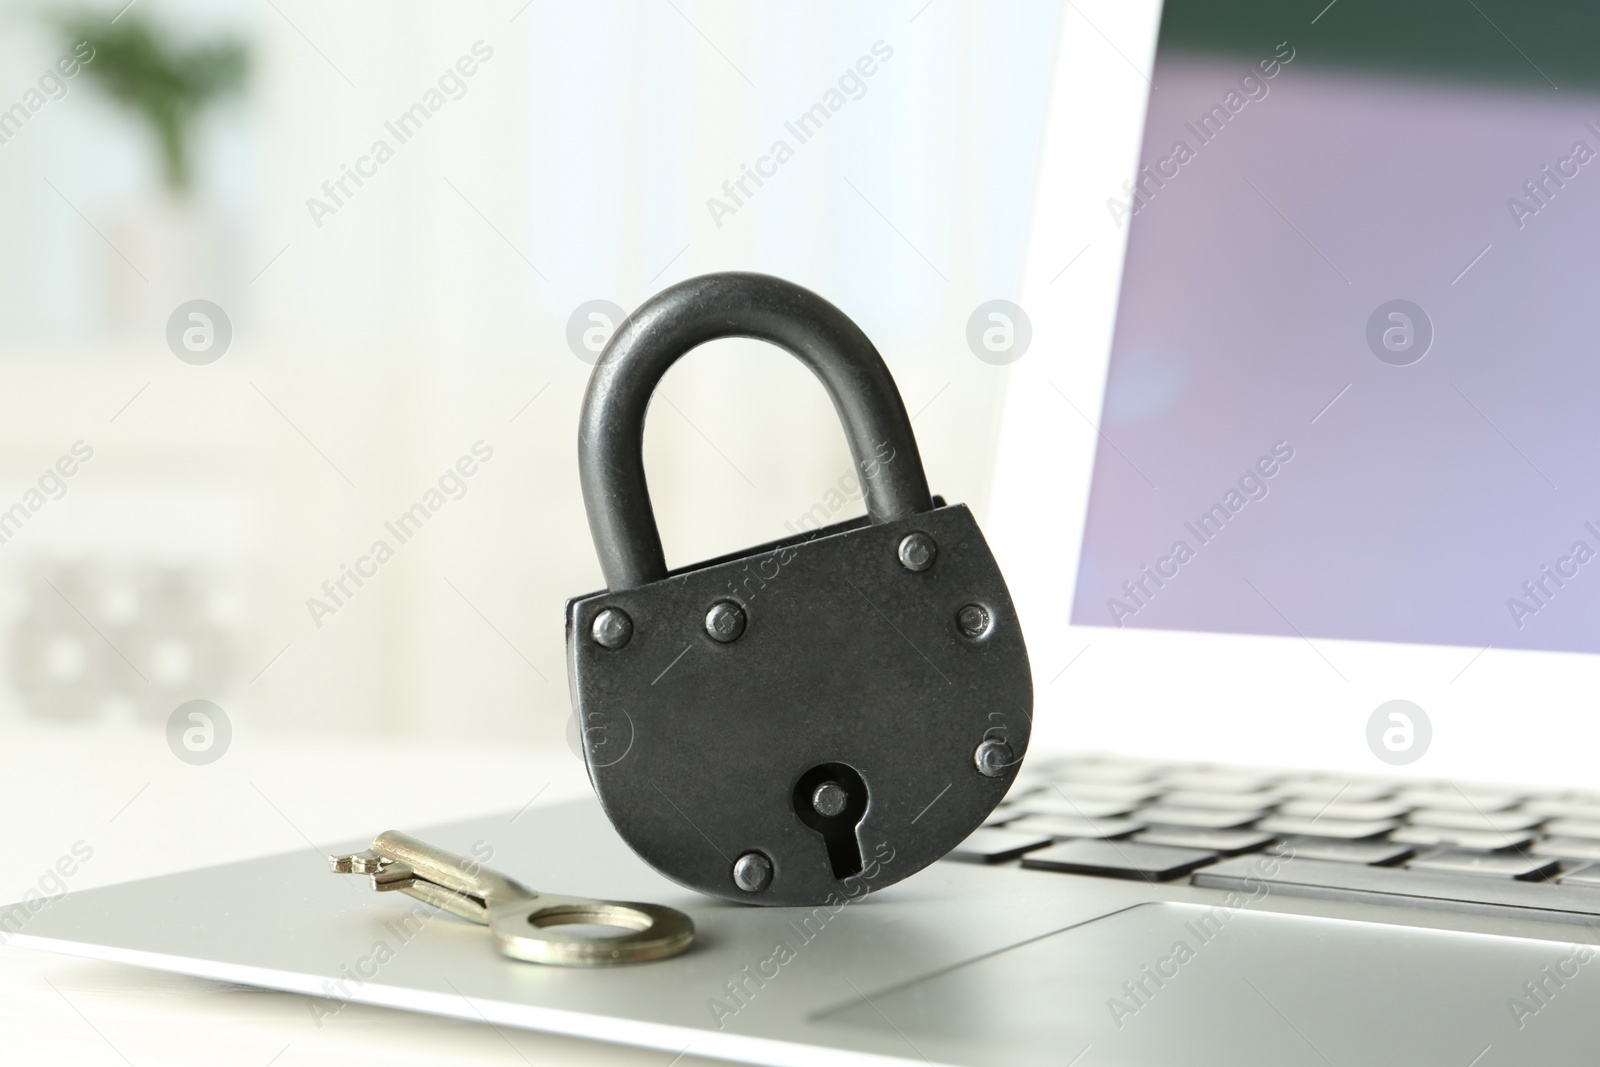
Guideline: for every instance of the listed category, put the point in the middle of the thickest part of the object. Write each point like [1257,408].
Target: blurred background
[272,269]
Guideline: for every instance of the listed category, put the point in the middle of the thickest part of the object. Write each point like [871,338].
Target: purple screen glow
[1353,386]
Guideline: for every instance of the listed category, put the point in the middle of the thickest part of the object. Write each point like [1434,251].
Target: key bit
[367,862]
[453,887]
[391,876]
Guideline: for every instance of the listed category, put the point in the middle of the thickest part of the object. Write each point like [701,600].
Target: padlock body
[848,659]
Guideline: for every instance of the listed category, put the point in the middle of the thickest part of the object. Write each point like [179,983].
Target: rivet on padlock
[864,703]
[612,628]
[917,551]
[725,621]
[973,620]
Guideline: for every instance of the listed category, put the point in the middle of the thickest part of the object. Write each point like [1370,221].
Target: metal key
[526,924]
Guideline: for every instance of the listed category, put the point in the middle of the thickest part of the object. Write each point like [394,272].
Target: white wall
[426,312]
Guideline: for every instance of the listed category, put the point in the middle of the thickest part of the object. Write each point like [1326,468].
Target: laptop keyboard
[1442,845]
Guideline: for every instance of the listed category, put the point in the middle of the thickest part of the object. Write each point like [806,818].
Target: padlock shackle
[681,318]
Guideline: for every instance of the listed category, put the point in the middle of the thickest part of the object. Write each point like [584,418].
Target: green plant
[166,83]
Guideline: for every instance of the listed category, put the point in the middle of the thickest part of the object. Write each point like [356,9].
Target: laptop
[1307,514]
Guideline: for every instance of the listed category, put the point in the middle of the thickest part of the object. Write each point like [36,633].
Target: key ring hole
[597,922]
[592,933]
[588,931]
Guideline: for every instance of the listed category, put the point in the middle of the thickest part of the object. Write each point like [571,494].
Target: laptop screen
[1353,386]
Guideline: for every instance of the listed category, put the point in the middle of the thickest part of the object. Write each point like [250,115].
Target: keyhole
[831,798]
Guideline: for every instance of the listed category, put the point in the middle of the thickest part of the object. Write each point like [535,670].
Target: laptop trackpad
[1162,984]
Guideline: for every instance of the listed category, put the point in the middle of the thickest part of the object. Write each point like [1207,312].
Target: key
[1222,842]
[1374,853]
[1326,789]
[1502,897]
[1217,781]
[1339,828]
[999,817]
[526,924]
[997,846]
[1557,808]
[1570,848]
[1585,876]
[1459,800]
[1198,818]
[1063,827]
[1492,864]
[1194,798]
[1589,831]
[1129,794]
[1019,790]
[1448,819]
[1046,804]
[1484,840]
[1118,859]
[1353,810]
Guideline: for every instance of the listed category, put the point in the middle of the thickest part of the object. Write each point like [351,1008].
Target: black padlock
[819,716]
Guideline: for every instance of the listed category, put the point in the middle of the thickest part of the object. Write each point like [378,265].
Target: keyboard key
[1061,827]
[1326,789]
[1493,864]
[1503,897]
[1222,842]
[1473,820]
[1484,840]
[1193,798]
[996,846]
[1217,781]
[1466,799]
[1572,848]
[1119,859]
[1198,817]
[1029,782]
[1048,804]
[1556,808]
[1341,829]
[1375,853]
[1589,831]
[1584,876]
[1137,793]
[1350,810]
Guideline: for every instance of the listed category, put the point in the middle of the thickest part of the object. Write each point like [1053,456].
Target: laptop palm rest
[1167,983]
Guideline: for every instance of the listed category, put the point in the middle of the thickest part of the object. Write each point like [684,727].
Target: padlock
[820,716]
